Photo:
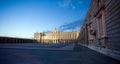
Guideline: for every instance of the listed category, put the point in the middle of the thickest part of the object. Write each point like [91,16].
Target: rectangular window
[100,26]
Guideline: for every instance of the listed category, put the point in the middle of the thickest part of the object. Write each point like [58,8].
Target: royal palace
[56,36]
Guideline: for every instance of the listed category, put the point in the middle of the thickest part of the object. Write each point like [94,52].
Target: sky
[22,18]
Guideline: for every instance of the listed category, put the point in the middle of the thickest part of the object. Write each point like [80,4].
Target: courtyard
[79,55]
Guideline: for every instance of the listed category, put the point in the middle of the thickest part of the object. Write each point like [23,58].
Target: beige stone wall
[37,36]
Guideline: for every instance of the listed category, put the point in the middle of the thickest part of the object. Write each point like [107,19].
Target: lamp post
[40,37]
[43,36]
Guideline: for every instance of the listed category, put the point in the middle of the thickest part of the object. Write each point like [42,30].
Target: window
[100,26]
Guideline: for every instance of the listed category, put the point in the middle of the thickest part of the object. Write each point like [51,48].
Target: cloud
[64,3]
[46,31]
[80,2]
[70,26]
[70,3]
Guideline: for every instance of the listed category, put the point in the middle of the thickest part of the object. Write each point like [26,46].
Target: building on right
[101,28]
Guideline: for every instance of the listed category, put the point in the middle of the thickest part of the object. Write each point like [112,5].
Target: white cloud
[80,2]
[64,3]
[70,3]
[73,7]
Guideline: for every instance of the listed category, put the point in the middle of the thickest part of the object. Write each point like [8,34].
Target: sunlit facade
[56,36]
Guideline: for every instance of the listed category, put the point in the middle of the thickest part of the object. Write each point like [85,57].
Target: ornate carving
[92,32]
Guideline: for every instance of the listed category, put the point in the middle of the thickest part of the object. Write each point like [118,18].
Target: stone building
[56,36]
[4,39]
[101,28]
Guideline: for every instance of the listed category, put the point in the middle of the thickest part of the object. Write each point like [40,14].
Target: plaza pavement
[80,55]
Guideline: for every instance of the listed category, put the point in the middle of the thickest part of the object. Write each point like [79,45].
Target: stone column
[104,36]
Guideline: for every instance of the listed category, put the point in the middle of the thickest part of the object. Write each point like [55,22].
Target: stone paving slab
[39,46]
[80,55]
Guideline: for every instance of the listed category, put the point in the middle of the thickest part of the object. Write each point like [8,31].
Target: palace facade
[101,28]
[56,36]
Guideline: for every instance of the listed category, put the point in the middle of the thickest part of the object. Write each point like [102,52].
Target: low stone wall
[15,40]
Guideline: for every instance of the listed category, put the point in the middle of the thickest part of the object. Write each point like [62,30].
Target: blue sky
[22,18]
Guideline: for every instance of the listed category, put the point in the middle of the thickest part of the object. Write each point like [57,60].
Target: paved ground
[80,55]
